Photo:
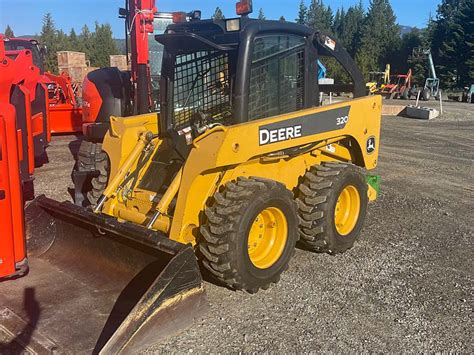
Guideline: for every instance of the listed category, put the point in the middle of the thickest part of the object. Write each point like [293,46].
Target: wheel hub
[347,210]
[267,237]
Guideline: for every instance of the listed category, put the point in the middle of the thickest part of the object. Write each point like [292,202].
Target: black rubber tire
[317,197]
[91,157]
[223,247]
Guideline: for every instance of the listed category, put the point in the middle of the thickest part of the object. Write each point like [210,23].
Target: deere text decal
[304,126]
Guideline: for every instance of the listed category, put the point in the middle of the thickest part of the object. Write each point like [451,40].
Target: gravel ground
[407,285]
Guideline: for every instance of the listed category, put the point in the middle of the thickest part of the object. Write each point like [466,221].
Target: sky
[24,16]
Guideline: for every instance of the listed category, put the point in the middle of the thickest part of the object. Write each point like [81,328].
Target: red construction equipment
[399,87]
[21,87]
[13,261]
[65,114]
[110,92]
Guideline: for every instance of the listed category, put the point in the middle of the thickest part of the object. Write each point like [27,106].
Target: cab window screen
[201,87]
[277,76]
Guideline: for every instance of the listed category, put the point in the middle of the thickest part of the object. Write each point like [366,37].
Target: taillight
[244,7]
[179,17]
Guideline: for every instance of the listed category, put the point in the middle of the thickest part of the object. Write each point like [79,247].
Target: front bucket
[89,293]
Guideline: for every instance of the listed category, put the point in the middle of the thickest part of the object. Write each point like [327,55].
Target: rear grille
[201,85]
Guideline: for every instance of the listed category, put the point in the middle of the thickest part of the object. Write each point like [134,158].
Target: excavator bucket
[96,285]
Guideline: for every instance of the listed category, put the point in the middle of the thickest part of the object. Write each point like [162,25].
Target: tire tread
[221,226]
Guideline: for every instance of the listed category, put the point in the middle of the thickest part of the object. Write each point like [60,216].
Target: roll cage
[236,40]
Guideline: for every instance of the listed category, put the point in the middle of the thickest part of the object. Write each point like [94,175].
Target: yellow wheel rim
[347,210]
[267,237]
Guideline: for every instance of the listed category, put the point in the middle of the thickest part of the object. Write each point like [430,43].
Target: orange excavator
[13,261]
[65,113]
[21,85]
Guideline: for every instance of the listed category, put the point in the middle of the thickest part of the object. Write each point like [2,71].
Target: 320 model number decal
[307,125]
[342,120]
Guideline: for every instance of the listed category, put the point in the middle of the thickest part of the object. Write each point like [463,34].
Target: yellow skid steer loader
[238,166]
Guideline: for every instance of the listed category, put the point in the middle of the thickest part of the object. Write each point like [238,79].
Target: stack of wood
[75,64]
[119,61]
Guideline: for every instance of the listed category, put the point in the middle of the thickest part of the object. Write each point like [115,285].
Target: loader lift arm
[110,91]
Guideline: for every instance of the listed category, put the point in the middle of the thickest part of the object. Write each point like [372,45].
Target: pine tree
[339,24]
[405,60]
[48,37]
[381,37]
[320,17]
[9,32]
[353,28]
[218,14]
[282,18]
[452,42]
[467,23]
[302,13]
[62,41]
[441,44]
[73,44]
[85,41]
[261,15]
[103,45]
[329,16]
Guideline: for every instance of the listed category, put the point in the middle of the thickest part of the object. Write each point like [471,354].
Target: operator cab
[230,71]
[376,77]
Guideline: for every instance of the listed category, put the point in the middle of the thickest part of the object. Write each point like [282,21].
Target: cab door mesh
[201,86]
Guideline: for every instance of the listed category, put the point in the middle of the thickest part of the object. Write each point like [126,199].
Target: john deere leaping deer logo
[370,146]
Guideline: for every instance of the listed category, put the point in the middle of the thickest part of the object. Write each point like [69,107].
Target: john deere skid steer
[239,165]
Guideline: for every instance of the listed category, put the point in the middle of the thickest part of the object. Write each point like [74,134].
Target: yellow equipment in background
[378,80]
